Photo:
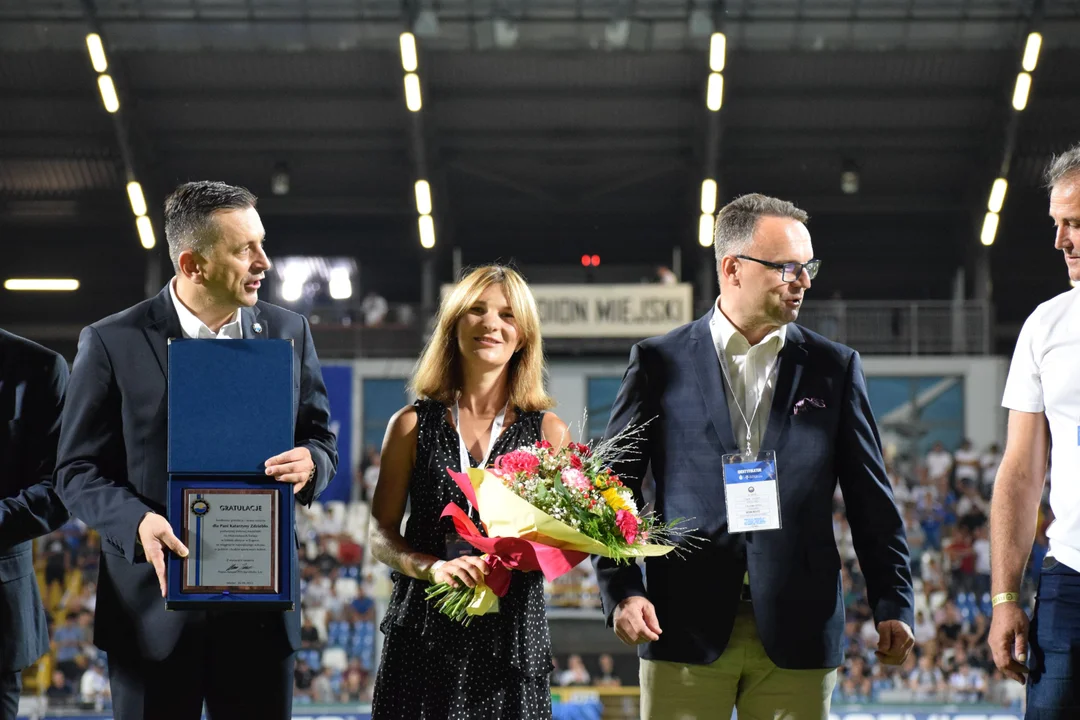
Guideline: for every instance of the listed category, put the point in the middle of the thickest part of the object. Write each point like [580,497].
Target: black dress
[433,668]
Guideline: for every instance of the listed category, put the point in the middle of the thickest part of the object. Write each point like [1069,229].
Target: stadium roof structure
[548,129]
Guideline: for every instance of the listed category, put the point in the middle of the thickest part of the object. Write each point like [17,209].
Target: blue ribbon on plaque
[230,410]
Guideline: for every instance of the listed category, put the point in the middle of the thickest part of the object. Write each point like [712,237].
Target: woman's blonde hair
[438,374]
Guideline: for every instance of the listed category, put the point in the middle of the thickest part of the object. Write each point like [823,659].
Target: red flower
[575,462]
[517,461]
[543,444]
[582,450]
[628,525]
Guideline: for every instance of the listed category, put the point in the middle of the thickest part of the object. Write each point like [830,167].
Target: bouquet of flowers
[547,509]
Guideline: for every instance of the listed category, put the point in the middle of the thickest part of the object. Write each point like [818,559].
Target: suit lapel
[162,324]
[711,382]
[253,323]
[792,360]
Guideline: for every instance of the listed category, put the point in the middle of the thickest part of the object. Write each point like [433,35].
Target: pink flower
[575,479]
[517,461]
[628,525]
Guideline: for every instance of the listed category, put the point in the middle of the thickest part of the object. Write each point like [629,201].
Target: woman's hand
[467,570]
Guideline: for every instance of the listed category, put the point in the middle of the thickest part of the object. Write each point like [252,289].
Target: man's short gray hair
[1065,165]
[189,210]
[737,220]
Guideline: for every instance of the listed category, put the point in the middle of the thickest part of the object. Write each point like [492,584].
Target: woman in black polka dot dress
[482,374]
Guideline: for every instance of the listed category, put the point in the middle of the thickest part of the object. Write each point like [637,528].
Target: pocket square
[806,404]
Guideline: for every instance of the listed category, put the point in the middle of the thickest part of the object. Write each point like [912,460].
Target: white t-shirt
[982,556]
[938,463]
[990,462]
[1045,377]
[967,465]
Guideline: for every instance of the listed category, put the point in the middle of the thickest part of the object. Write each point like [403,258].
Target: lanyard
[463,449]
[734,396]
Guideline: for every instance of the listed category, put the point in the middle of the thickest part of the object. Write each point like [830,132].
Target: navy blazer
[32,383]
[794,572]
[112,470]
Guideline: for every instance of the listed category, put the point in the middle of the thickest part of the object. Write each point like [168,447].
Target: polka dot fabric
[432,668]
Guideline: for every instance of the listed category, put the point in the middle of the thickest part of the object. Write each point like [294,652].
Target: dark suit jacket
[111,466]
[32,382]
[794,571]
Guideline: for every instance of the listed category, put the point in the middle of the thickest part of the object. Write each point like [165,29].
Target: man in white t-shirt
[1043,397]
[990,461]
[939,463]
[967,463]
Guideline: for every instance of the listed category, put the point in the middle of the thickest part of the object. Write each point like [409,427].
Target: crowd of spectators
[945,500]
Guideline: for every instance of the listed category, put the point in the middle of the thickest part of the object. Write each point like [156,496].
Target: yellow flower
[614,500]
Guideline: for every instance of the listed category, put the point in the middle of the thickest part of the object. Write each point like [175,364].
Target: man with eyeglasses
[754,421]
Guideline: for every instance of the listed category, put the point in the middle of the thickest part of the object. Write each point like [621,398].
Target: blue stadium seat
[337,633]
[312,657]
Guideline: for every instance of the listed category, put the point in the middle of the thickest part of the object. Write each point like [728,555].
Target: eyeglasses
[790,271]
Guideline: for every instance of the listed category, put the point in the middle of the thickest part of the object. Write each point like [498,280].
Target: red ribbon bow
[507,553]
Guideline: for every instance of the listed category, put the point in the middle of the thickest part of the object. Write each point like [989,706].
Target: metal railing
[888,327]
[925,327]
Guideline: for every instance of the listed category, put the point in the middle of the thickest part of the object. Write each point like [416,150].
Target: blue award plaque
[230,409]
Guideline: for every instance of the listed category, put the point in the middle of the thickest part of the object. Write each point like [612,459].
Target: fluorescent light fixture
[340,284]
[146,232]
[427,232]
[708,196]
[1020,92]
[423,197]
[997,195]
[705,230]
[412,92]
[135,195]
[97,52]
[714,94]
[717,51]
[44,284]
[409,60]
[1031,52]
[108,93]
[989,229]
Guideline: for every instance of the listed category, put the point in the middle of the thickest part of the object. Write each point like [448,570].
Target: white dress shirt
[752,375]
[1044,377]
[195,329]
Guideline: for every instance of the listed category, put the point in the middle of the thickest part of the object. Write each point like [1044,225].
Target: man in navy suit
[111,471]
[32,382]
[754,619]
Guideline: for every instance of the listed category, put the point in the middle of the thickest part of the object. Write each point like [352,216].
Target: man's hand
[294,466]
[635,621]
[895,641]
[155,534]
[1008,640]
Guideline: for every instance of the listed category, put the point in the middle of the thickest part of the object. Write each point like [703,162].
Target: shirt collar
[726,336]
[195,328]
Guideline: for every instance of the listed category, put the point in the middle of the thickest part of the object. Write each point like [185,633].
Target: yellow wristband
[1004,598]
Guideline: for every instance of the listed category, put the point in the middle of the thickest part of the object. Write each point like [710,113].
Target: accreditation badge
[751,492]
